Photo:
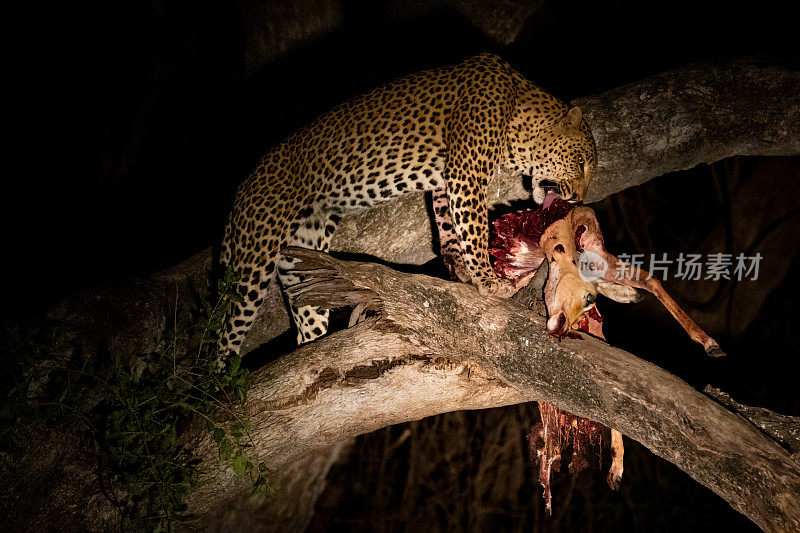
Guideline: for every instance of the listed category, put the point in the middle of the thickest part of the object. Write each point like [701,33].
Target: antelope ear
[570,124]
[618,293]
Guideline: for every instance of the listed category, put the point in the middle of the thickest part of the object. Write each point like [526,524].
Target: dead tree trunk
[435,346]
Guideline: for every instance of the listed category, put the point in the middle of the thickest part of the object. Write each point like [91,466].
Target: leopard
[471,135]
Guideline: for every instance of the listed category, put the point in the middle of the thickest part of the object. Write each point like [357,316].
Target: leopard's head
[563,158]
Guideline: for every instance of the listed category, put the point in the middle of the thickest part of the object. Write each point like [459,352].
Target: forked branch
[511,359]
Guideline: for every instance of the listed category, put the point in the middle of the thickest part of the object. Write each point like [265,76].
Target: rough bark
[696,114]
[274,28]
[783,428]
[436,346]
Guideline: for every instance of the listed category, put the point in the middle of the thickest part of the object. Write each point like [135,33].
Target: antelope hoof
[713,350]
[614,480]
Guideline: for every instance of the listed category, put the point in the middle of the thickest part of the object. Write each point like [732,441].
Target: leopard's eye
[581,161]
[590,298]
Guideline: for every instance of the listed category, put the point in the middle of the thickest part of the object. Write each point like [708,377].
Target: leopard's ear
[570,124]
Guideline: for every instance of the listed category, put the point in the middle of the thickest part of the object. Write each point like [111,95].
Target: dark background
[165,117]
[165,106]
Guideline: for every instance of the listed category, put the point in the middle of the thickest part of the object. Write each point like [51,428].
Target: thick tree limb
[783,428]
[696,114]
[382,372]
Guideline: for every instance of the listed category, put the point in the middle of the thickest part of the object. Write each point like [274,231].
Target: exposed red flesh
[578,232]
[557,431]
[515,246]
[515,239]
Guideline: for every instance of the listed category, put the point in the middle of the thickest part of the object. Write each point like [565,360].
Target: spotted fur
[448,130]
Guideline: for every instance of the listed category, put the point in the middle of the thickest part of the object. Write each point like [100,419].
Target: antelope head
[581,268]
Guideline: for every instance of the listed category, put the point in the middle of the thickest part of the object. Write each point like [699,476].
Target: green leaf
[239,463]
[225,449]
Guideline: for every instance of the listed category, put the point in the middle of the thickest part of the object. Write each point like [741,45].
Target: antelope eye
[590,298]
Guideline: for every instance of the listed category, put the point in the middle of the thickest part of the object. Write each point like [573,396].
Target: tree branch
[695,114]
[783,428]
[490,352]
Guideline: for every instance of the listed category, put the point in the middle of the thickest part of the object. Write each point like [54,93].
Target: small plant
[133,413]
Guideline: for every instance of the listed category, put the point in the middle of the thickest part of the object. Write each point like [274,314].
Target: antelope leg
[614,477]
[632,276]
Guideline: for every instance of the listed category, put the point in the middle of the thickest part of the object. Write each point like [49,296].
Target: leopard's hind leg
[258,227]
[313,229]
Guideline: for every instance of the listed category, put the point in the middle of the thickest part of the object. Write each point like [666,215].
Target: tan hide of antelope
[569,295]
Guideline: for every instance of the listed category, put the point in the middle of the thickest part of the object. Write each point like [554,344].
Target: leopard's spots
[448,130]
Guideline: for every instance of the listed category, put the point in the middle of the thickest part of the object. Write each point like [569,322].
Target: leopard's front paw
[500,288]
[456,269]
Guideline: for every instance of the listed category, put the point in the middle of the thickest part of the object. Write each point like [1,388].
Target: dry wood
[384,371]
[783,428]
